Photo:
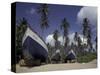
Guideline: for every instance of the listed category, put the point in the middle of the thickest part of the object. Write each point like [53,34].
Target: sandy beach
[54,67]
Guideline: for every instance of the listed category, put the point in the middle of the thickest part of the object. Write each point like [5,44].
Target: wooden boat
[35,50]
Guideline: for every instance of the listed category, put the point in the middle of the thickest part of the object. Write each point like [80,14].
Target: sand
[54,67]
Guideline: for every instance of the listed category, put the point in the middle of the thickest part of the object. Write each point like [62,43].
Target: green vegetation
[20,31]
[87,57]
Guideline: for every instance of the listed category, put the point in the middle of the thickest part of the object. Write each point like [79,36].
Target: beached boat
[70,56]
[56,57]
[34,48]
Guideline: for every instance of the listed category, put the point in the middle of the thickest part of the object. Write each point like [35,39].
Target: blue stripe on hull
[35,49]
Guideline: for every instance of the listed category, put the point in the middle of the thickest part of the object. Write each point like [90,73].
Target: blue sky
[55,16]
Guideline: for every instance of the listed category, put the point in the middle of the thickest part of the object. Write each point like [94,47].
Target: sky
[73,14]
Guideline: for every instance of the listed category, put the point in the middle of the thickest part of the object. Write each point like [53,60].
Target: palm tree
[76,47]
[55,36]
[22,28]
[79,44]
[43,11]
[23,24]
[89,39]
[64,26]
[20,31]
[85,30]
[79,41]
[76,37]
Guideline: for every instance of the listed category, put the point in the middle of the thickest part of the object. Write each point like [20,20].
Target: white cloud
[71,38]
[51,41]
[88,12]
[62,41]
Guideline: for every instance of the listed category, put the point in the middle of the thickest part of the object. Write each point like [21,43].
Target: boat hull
[34,49]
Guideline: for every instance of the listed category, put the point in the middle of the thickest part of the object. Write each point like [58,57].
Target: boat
[34,48]
[56,57]
[70,56]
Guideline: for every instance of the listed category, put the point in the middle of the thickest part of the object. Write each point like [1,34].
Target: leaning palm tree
[43,11]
